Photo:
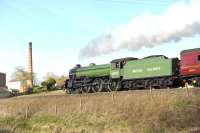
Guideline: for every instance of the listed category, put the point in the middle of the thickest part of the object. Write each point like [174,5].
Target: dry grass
[124,112]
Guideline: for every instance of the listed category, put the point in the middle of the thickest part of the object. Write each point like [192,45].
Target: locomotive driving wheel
[86,87]
[97,85]
[114,85]
[88,90]
[83,89]
[106,85]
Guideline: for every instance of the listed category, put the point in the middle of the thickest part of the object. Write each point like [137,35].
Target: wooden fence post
[187,89]
[113,98]
[151,93]
[80,104]
[27,112]
[56,109]
[150,90]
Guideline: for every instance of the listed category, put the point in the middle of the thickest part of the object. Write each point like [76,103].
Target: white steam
[179,21]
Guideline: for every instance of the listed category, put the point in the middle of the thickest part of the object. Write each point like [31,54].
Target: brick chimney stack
[30,66]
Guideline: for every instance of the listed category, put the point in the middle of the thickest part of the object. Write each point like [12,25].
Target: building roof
[2,73]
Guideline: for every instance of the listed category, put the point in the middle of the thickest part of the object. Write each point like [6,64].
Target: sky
[60,29]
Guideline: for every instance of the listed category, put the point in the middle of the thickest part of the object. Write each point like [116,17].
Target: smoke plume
[179,21]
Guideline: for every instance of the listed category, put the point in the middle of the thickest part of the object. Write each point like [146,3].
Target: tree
[49,82]
[44,84]
[52,81]
[20,75]
[60,81]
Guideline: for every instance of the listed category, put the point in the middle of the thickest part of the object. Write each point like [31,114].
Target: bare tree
[21,75]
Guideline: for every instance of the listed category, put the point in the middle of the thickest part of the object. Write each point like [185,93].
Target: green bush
[49,84]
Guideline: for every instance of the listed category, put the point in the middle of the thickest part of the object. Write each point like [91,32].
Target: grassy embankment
[125,112]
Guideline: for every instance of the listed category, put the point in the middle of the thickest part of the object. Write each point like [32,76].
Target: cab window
[113,65]
[116,65]
[198,58]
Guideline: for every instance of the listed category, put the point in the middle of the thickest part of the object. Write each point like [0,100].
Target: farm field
[118,112]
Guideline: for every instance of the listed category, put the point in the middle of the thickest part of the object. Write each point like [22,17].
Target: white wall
[14,85]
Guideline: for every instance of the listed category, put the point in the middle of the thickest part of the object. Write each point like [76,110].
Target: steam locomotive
[157,71]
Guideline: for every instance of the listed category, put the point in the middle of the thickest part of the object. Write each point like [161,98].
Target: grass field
[122,112]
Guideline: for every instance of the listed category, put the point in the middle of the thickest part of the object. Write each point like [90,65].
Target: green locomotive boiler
[125,74]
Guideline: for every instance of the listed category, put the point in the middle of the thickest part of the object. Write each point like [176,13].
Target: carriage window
[199,58]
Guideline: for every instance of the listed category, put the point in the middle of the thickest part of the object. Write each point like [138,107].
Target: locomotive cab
[117,67]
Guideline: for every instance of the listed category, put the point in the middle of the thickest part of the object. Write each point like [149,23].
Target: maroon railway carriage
[190,65]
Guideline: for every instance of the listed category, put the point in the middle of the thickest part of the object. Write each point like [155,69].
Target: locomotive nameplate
[153,69]
[147,70]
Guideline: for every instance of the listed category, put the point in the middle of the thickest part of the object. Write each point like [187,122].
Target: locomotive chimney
[30,66]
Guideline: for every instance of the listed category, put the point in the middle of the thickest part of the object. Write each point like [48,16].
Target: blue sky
[60,28]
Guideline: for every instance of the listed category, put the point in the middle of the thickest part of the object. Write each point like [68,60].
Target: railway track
[62,94]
